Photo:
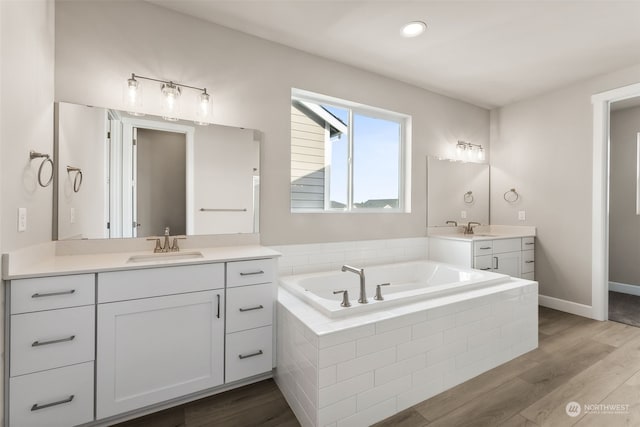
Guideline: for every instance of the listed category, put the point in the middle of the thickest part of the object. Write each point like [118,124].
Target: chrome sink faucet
[455,223]
[469,228]
[359,272]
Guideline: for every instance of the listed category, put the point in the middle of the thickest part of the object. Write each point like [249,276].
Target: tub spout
[359,272]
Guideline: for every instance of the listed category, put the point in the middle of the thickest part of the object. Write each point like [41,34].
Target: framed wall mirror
[457,191]
[119,176]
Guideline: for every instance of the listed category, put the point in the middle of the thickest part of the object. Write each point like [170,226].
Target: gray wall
[99,44]
[624,224]
[543,147]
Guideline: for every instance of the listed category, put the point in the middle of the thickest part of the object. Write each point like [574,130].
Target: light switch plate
[22,219]
[463,214]
[522,216]
[72,215]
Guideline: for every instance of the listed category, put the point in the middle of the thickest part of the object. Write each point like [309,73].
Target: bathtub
[409,282]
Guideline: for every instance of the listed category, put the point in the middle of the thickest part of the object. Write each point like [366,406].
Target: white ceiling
[489,53]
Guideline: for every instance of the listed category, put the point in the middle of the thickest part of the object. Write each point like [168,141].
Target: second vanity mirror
[457,191]
[119,175]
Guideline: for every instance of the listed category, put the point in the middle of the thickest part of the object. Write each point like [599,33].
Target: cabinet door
[508,263]
[154,349]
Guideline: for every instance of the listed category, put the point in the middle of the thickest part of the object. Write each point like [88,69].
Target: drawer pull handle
[529,262]
[38,343]
[486,247]
[52,294]
[258,307]
[246,356]
[252,273]
[528,243]
[37,406]
[485,269]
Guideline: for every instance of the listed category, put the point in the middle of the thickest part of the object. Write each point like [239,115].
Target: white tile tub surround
[311,258]
[358,370]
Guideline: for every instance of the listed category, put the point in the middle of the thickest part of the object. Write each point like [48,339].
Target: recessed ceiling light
[414,29]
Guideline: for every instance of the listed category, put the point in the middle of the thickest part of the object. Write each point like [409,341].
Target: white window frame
[404,155]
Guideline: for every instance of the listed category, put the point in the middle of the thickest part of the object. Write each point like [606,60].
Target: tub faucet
[359,272]
[469,228]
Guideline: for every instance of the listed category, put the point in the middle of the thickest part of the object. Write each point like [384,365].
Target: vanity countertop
[49,264]
[485,232]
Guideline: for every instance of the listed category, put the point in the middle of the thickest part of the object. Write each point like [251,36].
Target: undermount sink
[165,256]
[485,235]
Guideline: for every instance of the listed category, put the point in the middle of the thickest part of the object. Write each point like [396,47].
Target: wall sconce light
[171,92]
[470,150]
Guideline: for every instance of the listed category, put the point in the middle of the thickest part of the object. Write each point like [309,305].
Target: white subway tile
[327,376]
[433,372]
[400,369]
[352,334]
[336,354]
[400,321]
[418,393]
[367,363]
[381,393]
[383,340]
[473,314]
[419,345]
[446,351]
[337,411]
[343,389]
[431,326]
[482,337]
[371,415]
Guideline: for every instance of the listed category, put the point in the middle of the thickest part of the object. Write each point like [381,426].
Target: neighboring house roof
[378,203]
[321,116]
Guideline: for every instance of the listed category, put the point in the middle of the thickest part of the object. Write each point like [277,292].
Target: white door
[508,263]
[154,349]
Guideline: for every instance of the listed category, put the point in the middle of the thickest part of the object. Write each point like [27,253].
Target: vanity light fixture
[467,149]
[413,29]
[171,92]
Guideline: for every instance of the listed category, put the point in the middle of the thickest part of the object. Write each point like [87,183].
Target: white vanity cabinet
[51,323]
[160,335]
[512,256]
[250,300]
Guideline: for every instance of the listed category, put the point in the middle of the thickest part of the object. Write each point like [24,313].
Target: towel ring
[47,159]
[468,197]
[511,196]
[77,180]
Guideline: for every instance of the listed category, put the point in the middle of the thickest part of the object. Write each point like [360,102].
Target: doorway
[159,190]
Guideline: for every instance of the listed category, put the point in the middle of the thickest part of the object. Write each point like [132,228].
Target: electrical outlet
[463,214]
[22,219]
[72,215]
[522,216]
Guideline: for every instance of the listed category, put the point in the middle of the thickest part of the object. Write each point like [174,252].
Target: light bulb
[480,153]
[459,149]
[171,94]
[204,109]
[132,96]
[413,29]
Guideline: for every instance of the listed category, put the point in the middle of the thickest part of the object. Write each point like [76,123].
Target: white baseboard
[566,306]
[624,288]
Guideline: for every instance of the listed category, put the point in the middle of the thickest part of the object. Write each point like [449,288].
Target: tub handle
[345,298]
[378,296]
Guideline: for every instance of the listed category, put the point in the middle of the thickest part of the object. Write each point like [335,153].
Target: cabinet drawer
[58,397]
[483,247]
[483,262]
[46,293]
[250,307]
[528,276]
[507,245]
[51,339]
[240,273]
[248,353]
[528,261]
[528,243]
[153,282]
